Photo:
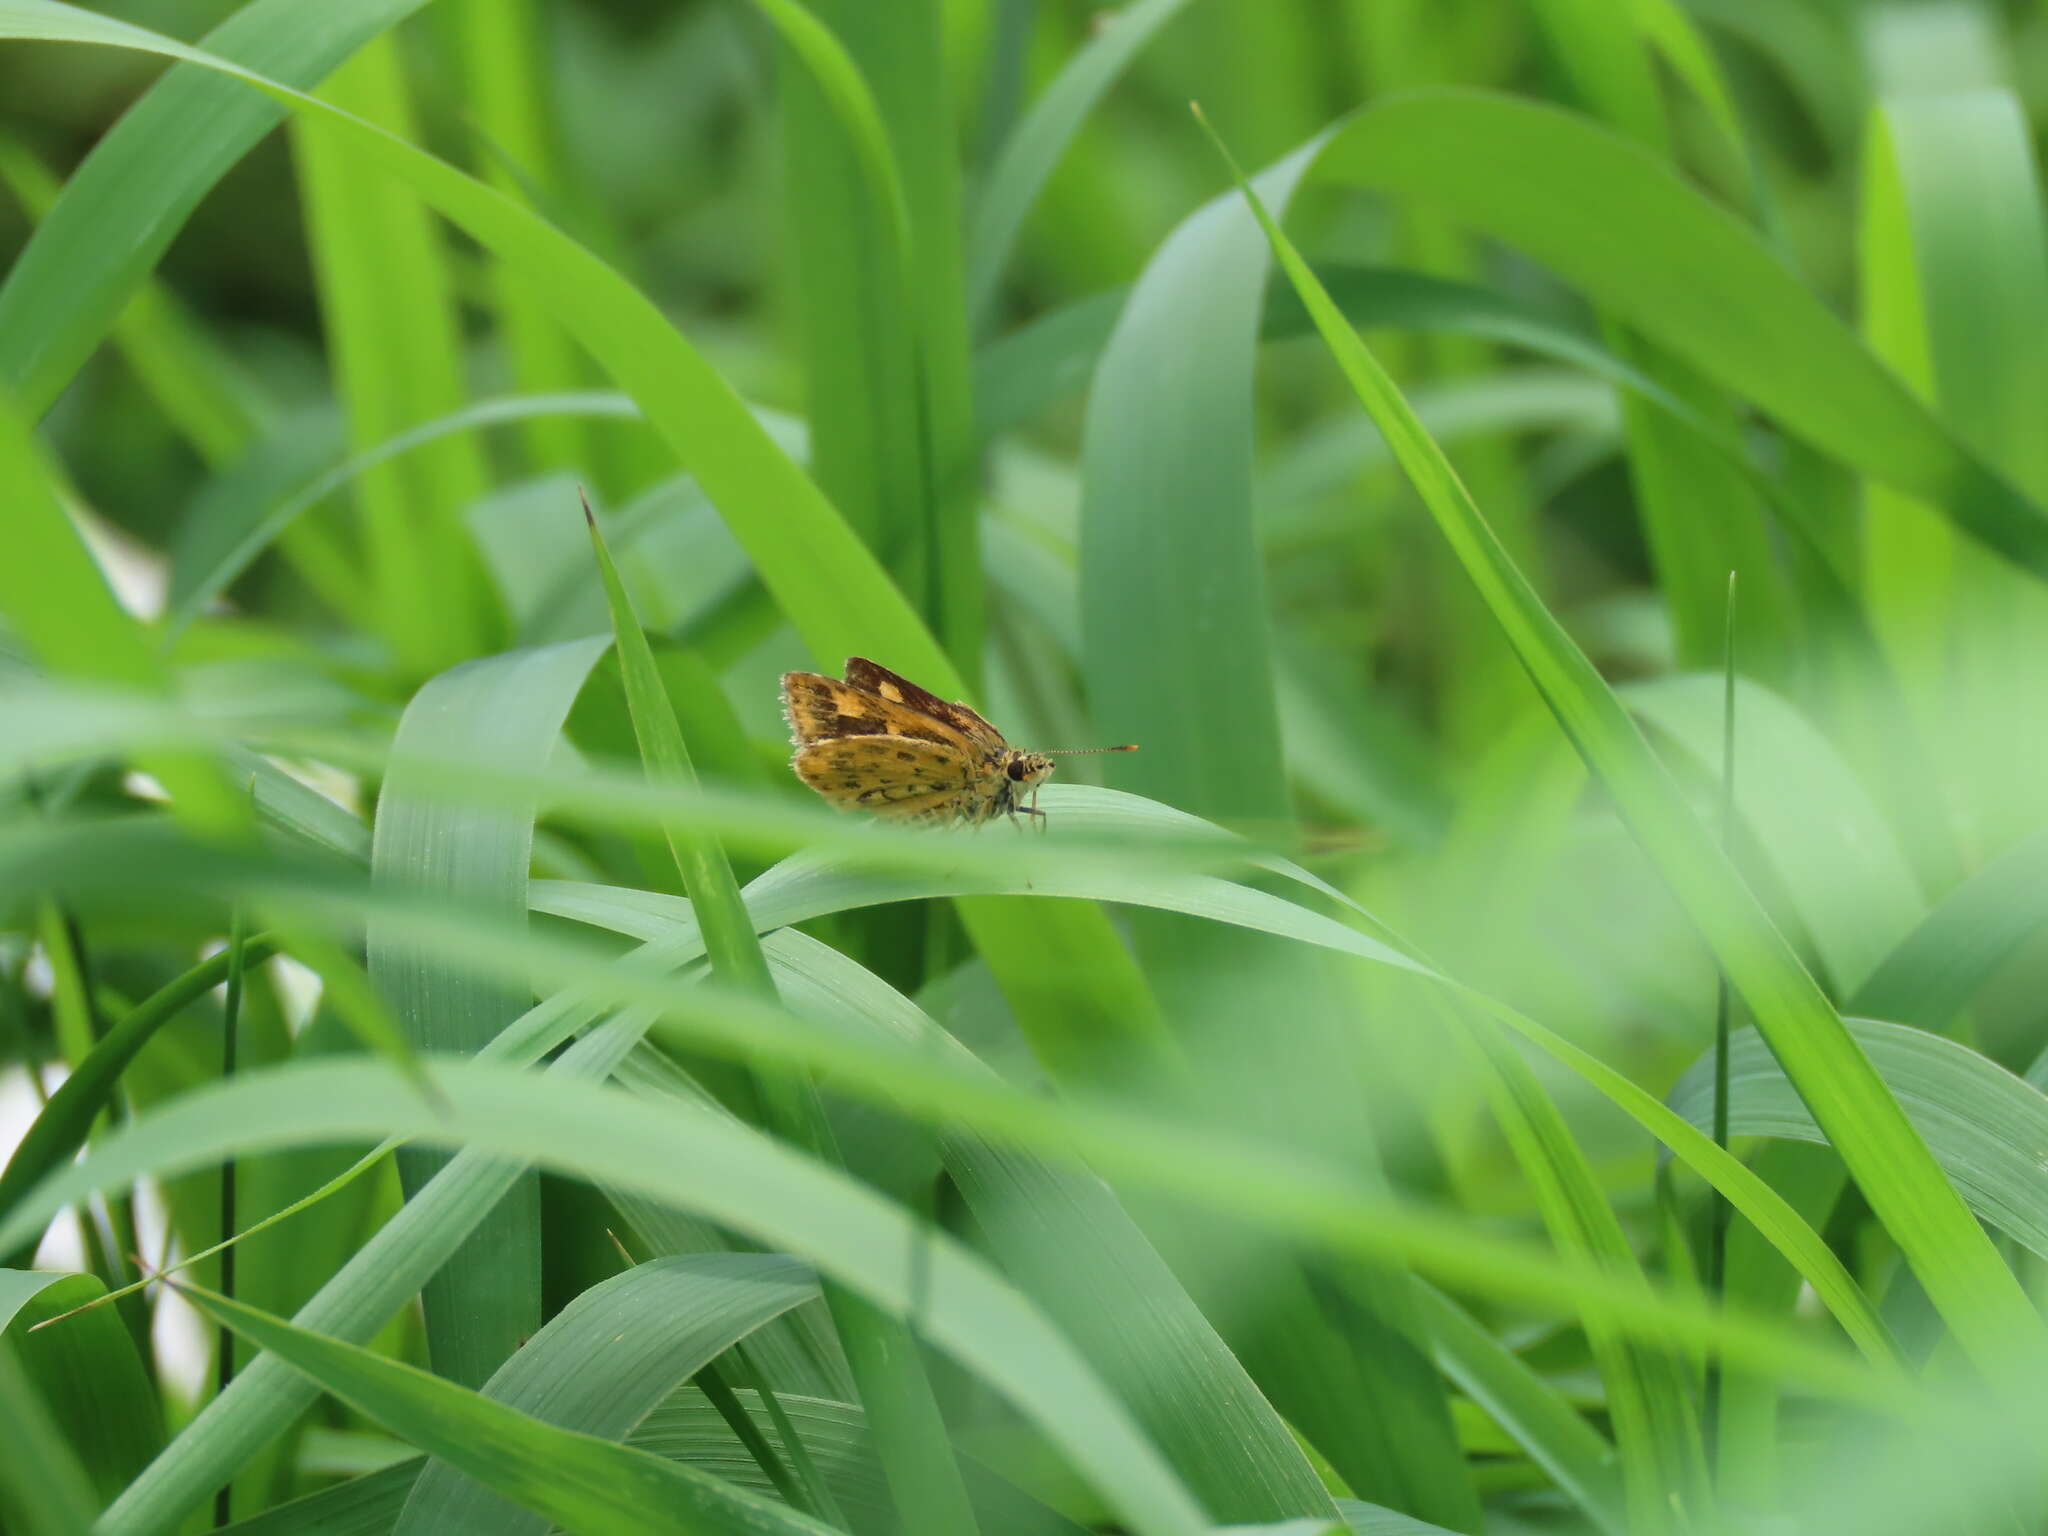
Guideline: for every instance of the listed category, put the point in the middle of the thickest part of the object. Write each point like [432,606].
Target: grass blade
[910,1433]
[574,1480]
[1037,144]
[389,316]
[1063,970]
[506,709]
[123,208]
[1964,1276]
[65,1122]
[87,1371]
[607,1360]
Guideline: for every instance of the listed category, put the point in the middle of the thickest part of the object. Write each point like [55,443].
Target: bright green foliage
[624,1141]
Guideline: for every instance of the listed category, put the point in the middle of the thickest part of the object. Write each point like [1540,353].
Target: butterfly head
[1027,770]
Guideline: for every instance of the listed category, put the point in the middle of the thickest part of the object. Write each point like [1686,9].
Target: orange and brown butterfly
[878,742]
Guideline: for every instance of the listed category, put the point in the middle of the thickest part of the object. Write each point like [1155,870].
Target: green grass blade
[43,1489]
[1071,1246]
[605,1136]
[506,81]
[382,1275]
[121,211]
[809,887]
[1554,1434]
[1969,1284]
[1935,971]
[1038,142]
[214,551]
[1696,282]
[87,1372]
[55,598]
[574,1480]
[507,709]
[1988,1128]
[392,330]
[175,360]
[910,1432]
[65,1122]
[1059,970]
[873,191]
[766,1192]
[1700,520]
[1254,1183]
[729,937]
[834,1436]
[1173,603]
[607,1360]
[1654,1432]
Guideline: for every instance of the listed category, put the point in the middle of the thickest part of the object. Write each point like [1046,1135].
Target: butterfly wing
[898,777]
[823,709]
[893,688]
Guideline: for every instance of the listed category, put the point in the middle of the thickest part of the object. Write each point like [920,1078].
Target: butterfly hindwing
[891,776]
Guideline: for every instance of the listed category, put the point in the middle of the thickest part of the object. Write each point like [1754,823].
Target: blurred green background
[938,331]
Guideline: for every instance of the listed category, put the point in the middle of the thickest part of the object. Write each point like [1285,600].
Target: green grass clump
[1565,524]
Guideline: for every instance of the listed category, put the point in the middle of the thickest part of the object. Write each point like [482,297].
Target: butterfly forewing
[872,677]
[824,709]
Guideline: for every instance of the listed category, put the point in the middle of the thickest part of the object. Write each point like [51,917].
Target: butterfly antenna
[1084,751]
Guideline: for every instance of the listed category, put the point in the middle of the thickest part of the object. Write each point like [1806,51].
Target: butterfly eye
[1016,769]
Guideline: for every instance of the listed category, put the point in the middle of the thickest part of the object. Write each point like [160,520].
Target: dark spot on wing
[908,757]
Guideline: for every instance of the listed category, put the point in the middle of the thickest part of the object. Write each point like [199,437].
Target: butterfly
[878,742]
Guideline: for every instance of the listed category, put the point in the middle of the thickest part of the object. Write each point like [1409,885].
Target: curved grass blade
[778,1198]
[55,598]
[1931,975]
[86,1370]
[383,1275]
[1988,1128]
[1068,1242]
[1969,1284]
[179,364]
[1173,607]
[63,1124]
[823,578]
[505,709]
[808,887]
[1038,142]
[576,1481]
[1557,1438]
[212,553]
[43,1489]
[763,1190]
[1697,282]
[393,336]
[121,210]
[883,1354]
[609,1358]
